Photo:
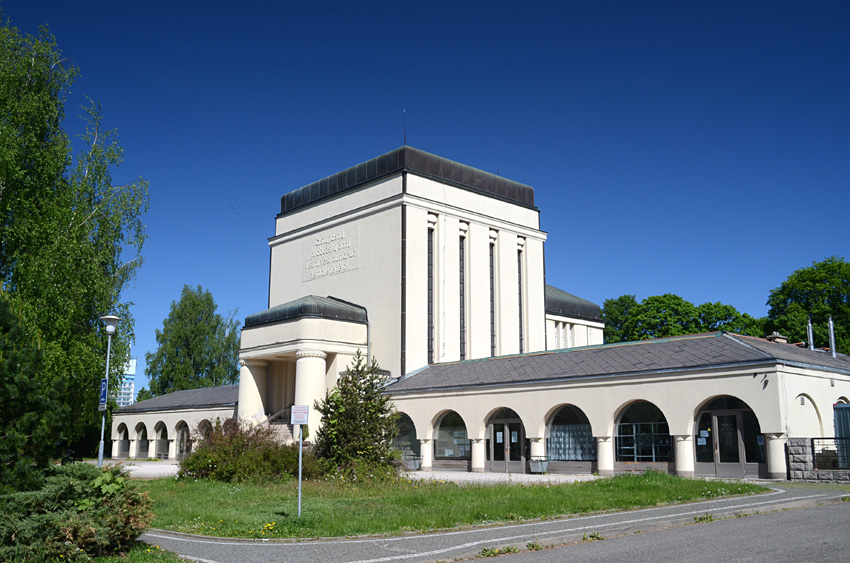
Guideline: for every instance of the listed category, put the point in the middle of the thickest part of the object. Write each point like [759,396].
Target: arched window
[643,435]
[570,437]
[452,441]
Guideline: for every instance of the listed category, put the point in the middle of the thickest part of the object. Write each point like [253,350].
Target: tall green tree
[661,316]
[70,239]
[197,346]
[817,292]
[359,422]
[615,315]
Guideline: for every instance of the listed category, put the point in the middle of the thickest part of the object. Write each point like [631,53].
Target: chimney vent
[776,337]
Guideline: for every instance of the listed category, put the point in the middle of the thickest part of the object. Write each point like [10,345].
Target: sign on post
[103,386]
[299,417]
[300,413]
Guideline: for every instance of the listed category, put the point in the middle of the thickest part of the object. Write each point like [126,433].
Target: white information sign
[299,414]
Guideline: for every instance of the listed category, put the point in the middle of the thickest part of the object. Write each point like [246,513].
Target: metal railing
[831,453]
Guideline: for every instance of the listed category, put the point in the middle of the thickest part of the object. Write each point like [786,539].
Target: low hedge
[79,512]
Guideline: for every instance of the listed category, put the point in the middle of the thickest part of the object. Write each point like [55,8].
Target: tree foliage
[65,229]
[816,292]
[661,316]
[358,421]
[31,414]
[197,346]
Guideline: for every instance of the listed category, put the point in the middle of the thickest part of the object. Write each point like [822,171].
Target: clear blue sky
[697,148]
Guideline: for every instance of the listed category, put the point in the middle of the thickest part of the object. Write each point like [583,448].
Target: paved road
[791,536]
[443,546]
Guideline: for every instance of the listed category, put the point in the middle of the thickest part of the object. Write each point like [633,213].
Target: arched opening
[406,443]
[184,440]
[123,441]
[643,438]
[570,445]
[230,426]
[728,441]
[142,441]
[841,414]
[506,445]
[451,443]
[205,428]
[161,441]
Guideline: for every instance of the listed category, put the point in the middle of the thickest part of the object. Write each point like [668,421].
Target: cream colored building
[437,270]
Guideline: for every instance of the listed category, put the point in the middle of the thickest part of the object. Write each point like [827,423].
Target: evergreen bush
[359,422]
[79,512]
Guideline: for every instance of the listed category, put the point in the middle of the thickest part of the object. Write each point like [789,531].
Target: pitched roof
[414,160]
[559,302]
[310,306]
[189,399]
[684,353]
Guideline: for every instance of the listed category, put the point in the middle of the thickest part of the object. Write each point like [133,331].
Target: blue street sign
[103,387]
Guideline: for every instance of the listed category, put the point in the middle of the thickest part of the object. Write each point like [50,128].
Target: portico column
[252,384]
[132,452]
[477,455]
[605,455]
[776,467]
[172,449]
[684,455]
[309,384]
[152,449]
[425,450]
[115,445]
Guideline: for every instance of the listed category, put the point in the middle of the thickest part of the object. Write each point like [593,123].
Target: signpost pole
[300,449]
[300,414]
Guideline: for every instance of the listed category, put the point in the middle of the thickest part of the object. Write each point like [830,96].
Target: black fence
[831,453]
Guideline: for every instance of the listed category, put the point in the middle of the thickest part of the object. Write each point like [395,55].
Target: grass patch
[346,509]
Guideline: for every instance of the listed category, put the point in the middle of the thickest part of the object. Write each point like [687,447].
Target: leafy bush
[80,511]
[246,453]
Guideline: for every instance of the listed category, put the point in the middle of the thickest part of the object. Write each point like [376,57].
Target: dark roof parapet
[310,306]
[409,159]
[559,302]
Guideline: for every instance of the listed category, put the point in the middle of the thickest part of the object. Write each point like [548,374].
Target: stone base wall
[801,465]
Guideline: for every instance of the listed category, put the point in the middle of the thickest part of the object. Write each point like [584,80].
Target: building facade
[437,270]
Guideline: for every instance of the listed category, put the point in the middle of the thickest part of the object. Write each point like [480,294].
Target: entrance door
[506,446]
[720,442]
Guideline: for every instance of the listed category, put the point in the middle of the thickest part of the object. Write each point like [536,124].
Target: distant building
[127,390]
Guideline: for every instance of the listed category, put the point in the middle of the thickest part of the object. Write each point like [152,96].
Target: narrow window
[492,299]
[462,267]
[519,293]
[430,296]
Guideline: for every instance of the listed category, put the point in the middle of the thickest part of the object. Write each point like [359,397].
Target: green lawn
[333,509]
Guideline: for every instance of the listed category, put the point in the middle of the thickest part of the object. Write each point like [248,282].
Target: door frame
[509,463]
[719,468]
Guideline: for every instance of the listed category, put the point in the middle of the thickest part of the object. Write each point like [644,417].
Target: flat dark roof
[413,160]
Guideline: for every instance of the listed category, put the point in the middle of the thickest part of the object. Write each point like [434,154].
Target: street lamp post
[111,323]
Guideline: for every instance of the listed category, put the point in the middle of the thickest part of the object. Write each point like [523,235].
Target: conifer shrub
[359,423]
[246,453]
[79,512]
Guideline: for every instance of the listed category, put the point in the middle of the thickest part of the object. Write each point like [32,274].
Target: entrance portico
[293,353]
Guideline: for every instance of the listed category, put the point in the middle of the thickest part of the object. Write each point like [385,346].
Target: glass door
[506,446]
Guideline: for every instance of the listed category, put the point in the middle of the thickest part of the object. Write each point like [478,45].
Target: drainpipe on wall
[810,335]
[831,337]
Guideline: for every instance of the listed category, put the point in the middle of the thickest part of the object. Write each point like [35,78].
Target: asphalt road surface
[791,536]
[637,535]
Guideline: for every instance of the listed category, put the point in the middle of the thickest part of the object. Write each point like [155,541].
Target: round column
[684,455]
[132,453]
[309,384]
[426,451]
[776,466]
[172,449]
[252,385]
[605,455]
[478,457]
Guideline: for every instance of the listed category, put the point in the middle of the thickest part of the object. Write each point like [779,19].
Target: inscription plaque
[330,252]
